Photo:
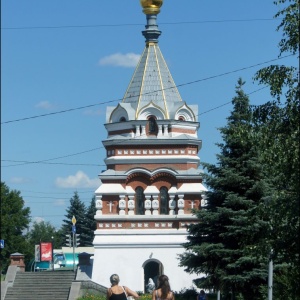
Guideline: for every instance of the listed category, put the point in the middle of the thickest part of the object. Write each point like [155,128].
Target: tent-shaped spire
[152,80]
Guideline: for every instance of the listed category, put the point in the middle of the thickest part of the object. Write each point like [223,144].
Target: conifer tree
[224,244]
[90,221]
[78,210]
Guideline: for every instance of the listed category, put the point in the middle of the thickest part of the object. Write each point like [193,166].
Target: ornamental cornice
[157,160]
[146,142]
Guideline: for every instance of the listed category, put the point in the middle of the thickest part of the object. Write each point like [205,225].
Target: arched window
[139,201]
[164,201]
[152,125]
[181,118]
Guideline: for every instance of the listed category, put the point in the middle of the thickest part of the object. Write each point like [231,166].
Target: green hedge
[182,295]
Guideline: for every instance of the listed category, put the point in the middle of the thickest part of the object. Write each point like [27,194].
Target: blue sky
[59,55]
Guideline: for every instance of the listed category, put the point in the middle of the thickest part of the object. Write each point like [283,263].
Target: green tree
[15,219]
[277,123]
[44,232]
[78,210]
[223,245]
[91,223]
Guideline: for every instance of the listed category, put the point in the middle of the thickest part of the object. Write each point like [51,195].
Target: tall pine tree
[78,210]
[224,244]
[90,221]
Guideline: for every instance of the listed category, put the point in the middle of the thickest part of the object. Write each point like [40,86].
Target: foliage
[223,245]
[44,232]
[277,125]
[186,294]
[289,25]
[78,210]
[274,134]
[191,294]
[15,219]
[282,78]
[145,296]
[91,223]
[90,296]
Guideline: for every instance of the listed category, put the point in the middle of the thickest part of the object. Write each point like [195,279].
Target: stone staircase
[47,285]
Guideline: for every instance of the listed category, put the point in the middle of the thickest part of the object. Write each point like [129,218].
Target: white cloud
[128,60]
[19,180]
[38,219]
[44,105]
[59,202]
[79,180]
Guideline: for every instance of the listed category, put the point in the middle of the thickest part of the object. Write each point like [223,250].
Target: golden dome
[151,6]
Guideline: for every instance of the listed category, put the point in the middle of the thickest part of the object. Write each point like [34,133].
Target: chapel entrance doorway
[152,269]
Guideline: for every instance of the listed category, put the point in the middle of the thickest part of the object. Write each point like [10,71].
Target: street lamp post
[270,277]
[268,205]
[74,235]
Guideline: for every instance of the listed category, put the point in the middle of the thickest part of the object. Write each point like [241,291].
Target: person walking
[202,296]
[163,291]
[117,292]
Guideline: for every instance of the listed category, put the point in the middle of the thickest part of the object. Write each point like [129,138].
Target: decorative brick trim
[138,224]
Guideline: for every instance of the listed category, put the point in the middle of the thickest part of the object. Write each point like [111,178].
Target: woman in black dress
[117,292]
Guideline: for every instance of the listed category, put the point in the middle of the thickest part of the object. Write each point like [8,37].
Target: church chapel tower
[152,181]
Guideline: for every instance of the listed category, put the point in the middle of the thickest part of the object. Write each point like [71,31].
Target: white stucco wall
[125,253]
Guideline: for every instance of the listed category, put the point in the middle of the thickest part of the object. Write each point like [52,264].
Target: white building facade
[152,182]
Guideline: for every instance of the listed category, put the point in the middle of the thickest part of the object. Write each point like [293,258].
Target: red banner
[46,251]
